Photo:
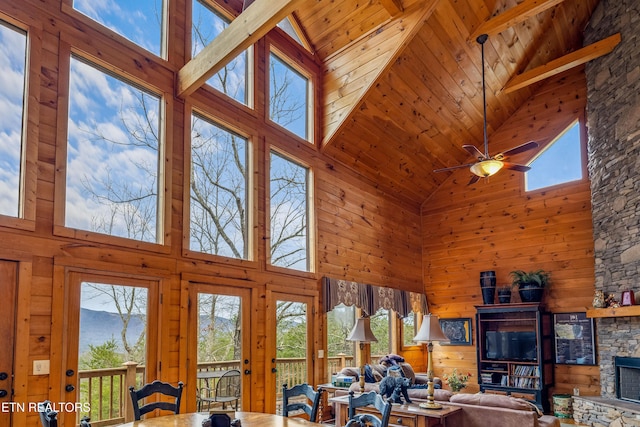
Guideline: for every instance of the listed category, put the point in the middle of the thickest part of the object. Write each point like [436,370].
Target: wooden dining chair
[48,417]
[366,399]
[309,404]
[156,387]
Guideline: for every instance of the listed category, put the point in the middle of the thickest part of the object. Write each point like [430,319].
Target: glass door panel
[220,348]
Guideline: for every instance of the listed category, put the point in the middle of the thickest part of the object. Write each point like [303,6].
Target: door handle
[274,370]
[3,376]
[69,387]
[3,393]
[247,371]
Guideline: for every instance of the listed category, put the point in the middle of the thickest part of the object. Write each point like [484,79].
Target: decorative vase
[488,286]
[504,295]
[530,292]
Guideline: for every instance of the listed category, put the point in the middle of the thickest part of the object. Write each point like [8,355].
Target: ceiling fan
[487,165]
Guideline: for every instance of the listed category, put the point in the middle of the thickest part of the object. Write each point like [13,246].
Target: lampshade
[430,330]
[486,168]
[361,331]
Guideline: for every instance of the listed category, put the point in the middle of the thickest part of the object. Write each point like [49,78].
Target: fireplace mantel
[630,310]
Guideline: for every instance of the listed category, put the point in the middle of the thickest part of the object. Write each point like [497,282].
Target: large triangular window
[560,162]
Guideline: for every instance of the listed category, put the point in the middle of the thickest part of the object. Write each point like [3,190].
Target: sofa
[485,410]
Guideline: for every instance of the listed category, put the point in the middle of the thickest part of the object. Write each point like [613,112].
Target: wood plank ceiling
[402,84]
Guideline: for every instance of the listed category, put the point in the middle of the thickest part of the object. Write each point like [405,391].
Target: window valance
[371,298]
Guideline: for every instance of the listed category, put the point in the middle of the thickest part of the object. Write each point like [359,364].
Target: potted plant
[456,381]
[530,284]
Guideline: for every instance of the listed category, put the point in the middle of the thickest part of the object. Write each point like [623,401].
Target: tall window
[218,202]
[409,329]
[289,101]
[289,214]
[207,24]
[560,162]
[112,155]
[381,328]
[141,21]
[12,100]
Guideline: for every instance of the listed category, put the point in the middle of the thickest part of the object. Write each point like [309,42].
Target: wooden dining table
[248,419]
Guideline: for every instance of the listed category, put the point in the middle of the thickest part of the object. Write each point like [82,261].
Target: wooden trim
[625,311]
[563,63]
[21,367]
[250,26]
[513,16]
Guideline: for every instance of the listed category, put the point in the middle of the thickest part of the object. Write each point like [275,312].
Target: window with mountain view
[113,155]
[12,101]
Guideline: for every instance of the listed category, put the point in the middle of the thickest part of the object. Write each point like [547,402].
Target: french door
[219,348]
[8,282]
[110,336]
[290,343]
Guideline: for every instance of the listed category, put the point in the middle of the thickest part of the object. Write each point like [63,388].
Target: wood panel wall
[497,225]
[361,233]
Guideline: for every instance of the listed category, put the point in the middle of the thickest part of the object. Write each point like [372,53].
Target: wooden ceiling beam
[513,16]
[563,63]
[392,6]
[250,26]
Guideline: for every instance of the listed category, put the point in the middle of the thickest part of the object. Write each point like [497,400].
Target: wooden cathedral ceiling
[402,78]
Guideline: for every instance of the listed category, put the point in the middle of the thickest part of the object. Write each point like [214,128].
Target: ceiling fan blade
[520,148]
[473,179]
[473,150]
[516,167]
[453,167]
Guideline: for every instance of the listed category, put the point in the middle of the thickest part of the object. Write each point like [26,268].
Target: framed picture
[457,330]
[574,339]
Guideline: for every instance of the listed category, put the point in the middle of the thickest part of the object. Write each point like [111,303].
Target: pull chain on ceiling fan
[489,165]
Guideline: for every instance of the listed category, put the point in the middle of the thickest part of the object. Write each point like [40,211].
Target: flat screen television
[501,345]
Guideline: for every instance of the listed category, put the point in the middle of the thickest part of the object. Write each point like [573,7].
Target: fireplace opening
[628,378]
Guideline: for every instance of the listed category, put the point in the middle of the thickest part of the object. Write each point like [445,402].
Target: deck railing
[107,390]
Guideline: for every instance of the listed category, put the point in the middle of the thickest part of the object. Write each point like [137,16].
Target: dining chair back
[156,387]
[309,400]
[228,389]
[366,399]
[48,417]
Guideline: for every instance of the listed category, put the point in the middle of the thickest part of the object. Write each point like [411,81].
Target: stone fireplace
[613,120]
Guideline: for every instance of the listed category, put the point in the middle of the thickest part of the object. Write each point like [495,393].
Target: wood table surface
[248,419]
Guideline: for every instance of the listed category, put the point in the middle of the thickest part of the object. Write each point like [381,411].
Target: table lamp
[361,333]
[430,331]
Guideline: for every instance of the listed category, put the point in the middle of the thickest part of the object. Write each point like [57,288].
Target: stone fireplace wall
[613,120]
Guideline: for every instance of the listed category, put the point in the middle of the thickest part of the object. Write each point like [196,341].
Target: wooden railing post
[129,381]
[343,358]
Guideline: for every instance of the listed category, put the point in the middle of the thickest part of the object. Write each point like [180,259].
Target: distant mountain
[98,327]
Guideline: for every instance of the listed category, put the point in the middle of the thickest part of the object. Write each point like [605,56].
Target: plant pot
[488,286]
[504,295]
[530,292]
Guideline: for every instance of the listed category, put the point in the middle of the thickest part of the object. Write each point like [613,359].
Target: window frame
[310,209]
[251,191]
[278,48]
[26,219]
[164,164]
[582,132]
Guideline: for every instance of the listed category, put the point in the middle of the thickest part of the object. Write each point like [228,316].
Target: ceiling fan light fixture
[486,168]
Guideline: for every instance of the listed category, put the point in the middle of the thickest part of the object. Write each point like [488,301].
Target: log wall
[361,234]
[497,225]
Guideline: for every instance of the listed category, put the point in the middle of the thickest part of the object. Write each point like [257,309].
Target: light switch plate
[40,367]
